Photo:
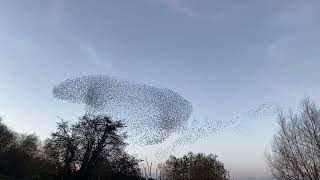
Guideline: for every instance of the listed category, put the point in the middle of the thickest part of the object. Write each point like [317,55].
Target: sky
[225,57]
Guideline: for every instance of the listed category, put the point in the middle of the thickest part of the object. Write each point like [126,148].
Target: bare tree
[98,138]
[61,148]
[296,147]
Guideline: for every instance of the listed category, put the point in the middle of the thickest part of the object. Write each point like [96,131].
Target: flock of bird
[151,114]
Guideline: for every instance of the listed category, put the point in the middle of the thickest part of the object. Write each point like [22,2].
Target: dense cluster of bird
[151,114]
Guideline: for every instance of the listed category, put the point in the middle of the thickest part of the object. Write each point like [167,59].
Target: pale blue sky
[226,57]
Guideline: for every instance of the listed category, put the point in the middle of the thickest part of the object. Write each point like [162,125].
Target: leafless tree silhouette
[296,147]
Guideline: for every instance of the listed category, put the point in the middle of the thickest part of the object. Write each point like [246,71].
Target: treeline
[91,148]
[94,148]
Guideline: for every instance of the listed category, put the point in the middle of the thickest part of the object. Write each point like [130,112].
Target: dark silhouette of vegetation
[21,156]
[6,136]
[296,147]
[193,167]
[92,148]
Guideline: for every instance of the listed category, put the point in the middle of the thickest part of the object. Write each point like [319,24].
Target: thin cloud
[95,57]
[92,55]
[285,53]
[200,10]
[179,6]
[297,13]
[277,51]
[286,57]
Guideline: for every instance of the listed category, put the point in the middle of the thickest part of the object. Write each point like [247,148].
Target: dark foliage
[22,158]
[193,167]
[7,137]
[91,148]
